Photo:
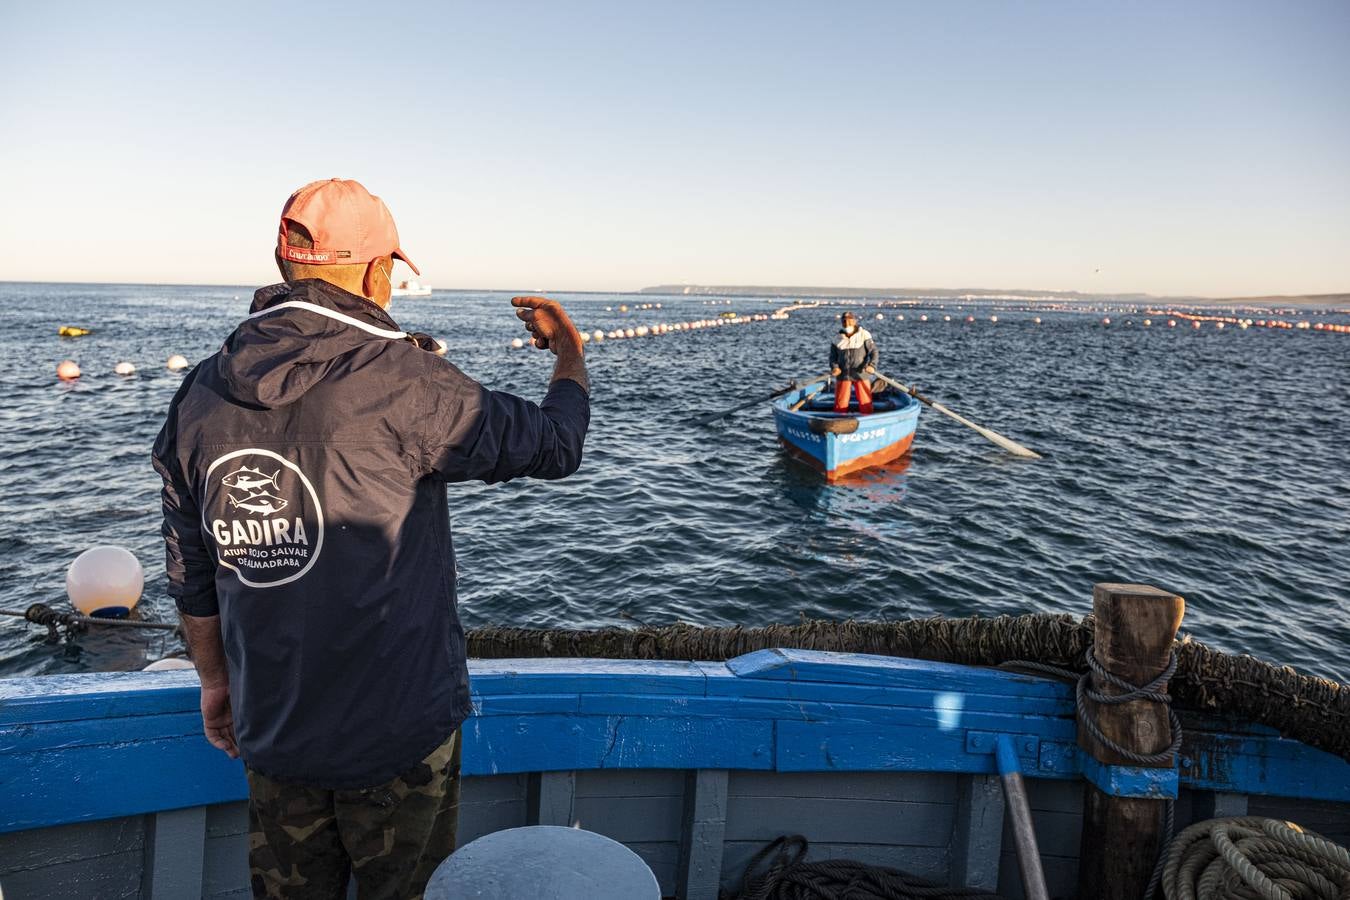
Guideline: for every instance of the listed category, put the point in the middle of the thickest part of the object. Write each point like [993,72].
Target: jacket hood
[294,335]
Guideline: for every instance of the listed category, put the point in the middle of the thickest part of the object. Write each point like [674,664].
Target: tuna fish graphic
[261,502]
[246,479]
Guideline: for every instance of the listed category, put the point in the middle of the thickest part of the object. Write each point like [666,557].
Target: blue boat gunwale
[87,747]
[908,406]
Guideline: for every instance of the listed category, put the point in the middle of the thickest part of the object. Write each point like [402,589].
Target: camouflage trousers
[304,843]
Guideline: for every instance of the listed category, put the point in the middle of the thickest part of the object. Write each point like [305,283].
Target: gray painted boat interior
[696,829]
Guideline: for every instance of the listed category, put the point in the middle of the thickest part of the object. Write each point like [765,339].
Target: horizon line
[820,291]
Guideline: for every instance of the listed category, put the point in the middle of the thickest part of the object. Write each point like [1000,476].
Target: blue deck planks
[83,747]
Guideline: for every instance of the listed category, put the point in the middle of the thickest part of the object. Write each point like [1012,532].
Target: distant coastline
[856,293]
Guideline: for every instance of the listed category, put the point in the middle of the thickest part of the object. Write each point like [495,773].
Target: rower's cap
[349,225]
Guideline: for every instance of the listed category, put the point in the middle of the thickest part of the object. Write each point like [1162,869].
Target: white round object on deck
[168,663]
[176,363]
[124,368]
[105,581]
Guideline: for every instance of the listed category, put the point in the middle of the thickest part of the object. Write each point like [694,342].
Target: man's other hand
[547,323]
[836,372]
[870,370]
[218,720]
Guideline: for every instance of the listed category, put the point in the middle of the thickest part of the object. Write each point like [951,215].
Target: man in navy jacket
[308,548]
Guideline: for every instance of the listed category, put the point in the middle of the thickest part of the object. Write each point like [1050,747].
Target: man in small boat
[853,356]
[306,520]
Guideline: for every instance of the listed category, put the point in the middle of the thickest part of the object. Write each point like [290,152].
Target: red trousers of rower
[841,392]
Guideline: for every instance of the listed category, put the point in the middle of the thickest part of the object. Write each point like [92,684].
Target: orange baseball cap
[348,223]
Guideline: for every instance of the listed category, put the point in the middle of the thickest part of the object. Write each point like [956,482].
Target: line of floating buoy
[1244,323]
[69,369]
[664,328]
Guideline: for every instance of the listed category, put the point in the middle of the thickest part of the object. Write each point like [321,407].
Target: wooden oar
[1011,446]
[713,417]
[802,402]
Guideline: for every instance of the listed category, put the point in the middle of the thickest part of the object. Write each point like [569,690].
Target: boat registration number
[857,436]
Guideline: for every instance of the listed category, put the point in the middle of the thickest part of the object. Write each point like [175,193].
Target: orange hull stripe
[875,458]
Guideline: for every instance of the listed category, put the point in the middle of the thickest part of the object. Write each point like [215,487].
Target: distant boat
[410,288]
[839,444]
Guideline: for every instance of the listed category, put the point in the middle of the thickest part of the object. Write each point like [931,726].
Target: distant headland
[921,293]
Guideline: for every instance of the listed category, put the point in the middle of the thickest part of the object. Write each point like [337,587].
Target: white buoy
[1106,321]
[993,318]
[176,363]
[628,332]
[901,317]
[923,318]
[598,334]
[67,370]
[1219,326]
[442,347]
[944,318]
[880,317]
[124,368]
[1036,320]
[169,663]
[517,344]
[585,337]
[1148,322]
[105,581]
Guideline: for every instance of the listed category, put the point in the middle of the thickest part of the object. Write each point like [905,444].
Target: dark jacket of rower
[305,468]
[852,353]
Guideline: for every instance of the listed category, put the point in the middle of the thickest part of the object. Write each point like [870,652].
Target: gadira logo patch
[264,516]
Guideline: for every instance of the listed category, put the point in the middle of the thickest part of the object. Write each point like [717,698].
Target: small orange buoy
[67,370]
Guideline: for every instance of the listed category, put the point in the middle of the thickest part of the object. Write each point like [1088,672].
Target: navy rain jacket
[305,468]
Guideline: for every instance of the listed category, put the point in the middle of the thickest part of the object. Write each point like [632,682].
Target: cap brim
[399,254]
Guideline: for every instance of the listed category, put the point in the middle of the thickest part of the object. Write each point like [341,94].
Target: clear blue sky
[1173,147]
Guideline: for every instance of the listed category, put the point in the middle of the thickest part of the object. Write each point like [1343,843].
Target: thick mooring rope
[780,872]
[1252,858]
[42,614]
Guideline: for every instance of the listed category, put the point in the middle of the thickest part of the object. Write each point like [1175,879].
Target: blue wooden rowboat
[839,444]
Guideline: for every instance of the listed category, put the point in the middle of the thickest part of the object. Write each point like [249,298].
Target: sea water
[1214,463]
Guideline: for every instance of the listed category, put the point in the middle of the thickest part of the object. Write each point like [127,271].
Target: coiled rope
[1253,858]
[780,872]
[1153,692]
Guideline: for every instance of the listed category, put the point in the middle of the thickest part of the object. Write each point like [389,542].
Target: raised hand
[547,323]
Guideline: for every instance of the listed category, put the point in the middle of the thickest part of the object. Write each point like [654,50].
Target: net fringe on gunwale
[1313,710]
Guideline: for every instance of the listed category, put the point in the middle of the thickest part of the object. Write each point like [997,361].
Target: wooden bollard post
[1136,626]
